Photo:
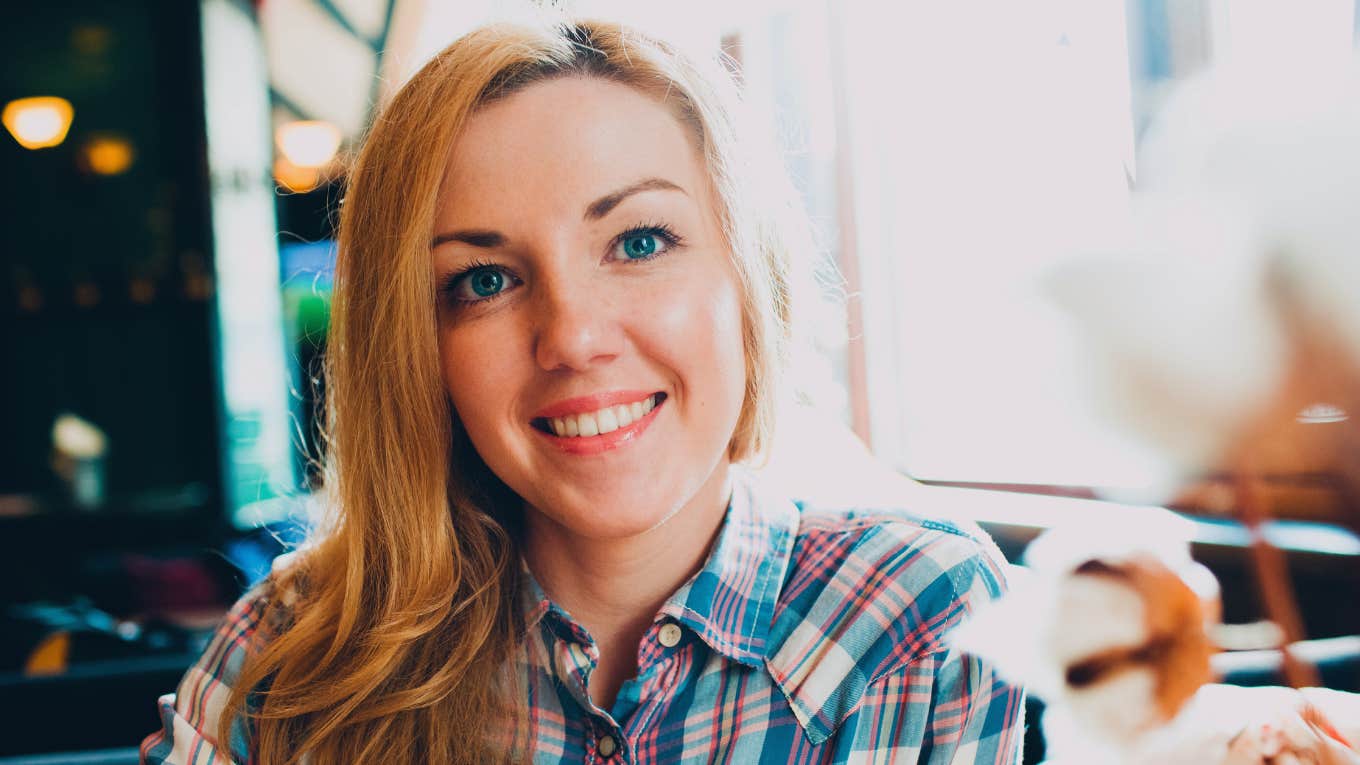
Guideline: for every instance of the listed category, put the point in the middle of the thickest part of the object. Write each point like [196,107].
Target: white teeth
[606,420]
[588,425]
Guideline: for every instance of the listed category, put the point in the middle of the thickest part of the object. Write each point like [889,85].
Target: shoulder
[916,571]
[190,716]
[868,592]
[261,612]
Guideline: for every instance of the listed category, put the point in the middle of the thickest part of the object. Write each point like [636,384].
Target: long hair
[400,642]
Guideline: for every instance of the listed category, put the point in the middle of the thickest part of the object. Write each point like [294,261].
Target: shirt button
[606,746]
[669,635]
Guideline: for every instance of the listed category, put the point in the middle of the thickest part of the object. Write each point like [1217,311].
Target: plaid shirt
[809,636]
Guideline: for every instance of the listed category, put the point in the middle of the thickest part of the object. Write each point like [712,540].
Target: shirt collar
[730,603]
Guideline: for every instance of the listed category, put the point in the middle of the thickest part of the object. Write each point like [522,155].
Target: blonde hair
[401,645]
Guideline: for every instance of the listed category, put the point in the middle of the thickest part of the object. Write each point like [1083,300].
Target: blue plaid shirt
[809,636]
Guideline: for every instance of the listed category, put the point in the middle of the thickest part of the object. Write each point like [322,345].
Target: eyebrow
[601,207]
[594,211]
[476,238]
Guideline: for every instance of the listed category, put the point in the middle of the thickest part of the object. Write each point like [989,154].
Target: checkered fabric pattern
[810,636]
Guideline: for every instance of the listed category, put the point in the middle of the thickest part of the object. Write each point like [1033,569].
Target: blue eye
[486,282]
[479,283]
[639,246]
[644,243]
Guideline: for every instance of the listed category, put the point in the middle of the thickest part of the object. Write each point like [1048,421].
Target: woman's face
[590,328]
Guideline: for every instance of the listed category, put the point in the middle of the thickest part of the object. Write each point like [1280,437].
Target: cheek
[700,328]
[470,365]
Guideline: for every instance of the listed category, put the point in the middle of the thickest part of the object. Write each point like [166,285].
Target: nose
[575,327]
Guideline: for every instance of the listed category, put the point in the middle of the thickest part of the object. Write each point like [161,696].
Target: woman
[560,307]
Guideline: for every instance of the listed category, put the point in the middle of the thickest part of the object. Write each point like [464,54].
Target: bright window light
[991,142]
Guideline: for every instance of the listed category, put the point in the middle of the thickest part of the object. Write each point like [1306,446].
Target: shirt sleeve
[946,707]
[189,717]
[976,717]
[931,703]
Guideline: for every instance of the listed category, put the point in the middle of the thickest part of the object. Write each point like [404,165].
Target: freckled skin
[579,318]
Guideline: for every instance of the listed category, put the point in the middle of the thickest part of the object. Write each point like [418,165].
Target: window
[990,141]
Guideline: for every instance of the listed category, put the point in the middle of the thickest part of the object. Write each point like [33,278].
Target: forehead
[564,142]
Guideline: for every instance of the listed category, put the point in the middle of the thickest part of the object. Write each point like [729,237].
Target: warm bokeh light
[39,122]
[295,178]
[308,143]
[108,155]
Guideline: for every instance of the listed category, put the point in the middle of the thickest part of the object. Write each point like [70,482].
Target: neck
[614,587]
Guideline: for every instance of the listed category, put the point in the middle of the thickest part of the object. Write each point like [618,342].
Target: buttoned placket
[669,635]
[609,743]
[606,746]
[575,656]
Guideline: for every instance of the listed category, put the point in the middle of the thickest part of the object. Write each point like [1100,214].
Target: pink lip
[582,404]
[587,445]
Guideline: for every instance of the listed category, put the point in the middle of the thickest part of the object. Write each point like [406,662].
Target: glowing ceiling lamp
[38,122]
[308,143]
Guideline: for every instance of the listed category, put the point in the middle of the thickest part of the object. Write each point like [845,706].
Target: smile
[604,420]
[600,429]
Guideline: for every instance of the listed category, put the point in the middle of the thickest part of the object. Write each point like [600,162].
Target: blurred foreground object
[1229,725]
[1114,629]
[1225,330]
[1115,641]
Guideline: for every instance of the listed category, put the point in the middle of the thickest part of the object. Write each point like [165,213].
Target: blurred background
[172,170]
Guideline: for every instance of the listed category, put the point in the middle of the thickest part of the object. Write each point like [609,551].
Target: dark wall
[139,364]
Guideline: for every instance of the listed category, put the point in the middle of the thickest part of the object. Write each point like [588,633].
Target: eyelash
[660,230]
[456,278]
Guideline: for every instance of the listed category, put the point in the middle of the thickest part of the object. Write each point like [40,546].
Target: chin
[608,512]
[607,521]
